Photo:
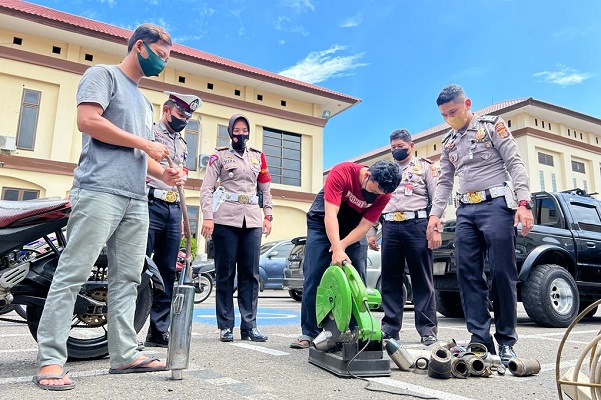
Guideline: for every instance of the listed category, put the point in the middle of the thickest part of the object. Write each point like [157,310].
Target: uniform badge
[453,158]
[254,158]
[487,144]
[213,158]
[480,134]
[434,171]
[417,168]
[501,130]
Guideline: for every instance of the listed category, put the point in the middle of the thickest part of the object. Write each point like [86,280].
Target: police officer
[165,214]
[232,216]
[493,182]
[404,221]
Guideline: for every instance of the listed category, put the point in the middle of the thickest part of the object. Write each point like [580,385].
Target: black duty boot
[252,334]
[226,335]
[157,341]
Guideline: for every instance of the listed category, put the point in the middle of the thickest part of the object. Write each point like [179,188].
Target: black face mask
[241,143]
[177,124]
[369,196]
[400,154]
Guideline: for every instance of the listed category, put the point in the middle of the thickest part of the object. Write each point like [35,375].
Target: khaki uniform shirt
[237,174]
[417,187]
[178,151]
[483,156]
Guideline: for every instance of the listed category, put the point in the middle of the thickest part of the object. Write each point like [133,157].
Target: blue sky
[395,55]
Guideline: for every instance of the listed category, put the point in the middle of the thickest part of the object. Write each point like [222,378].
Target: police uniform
[237,228]
[485,158]
[404,222]
[165,223]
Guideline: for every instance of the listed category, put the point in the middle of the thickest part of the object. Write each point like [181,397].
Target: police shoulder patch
[488,118]
[221,148]
[253,149]
[501,130]
[213,158]
[427,160]
[447,136]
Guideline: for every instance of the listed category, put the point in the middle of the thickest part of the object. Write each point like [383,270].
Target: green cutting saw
[350,344]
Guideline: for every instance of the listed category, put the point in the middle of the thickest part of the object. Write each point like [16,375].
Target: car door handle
[590,244]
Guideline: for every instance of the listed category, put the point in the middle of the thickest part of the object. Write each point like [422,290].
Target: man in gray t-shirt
[109,205]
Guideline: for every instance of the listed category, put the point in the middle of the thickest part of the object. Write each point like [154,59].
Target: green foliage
[193,245]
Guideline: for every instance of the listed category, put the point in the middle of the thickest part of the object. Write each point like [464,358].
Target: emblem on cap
[194,104]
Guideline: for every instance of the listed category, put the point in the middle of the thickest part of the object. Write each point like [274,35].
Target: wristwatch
[269,217]
[526,203]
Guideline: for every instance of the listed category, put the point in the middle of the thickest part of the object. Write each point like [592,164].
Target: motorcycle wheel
[21,310]
[88,336]
[203,286]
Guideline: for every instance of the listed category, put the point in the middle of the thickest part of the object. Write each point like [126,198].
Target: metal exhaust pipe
[523,366]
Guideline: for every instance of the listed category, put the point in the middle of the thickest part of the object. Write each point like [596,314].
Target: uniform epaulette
[488,118]
[253,149]
[182,139]
[447,136]
[426,160]
[222,148]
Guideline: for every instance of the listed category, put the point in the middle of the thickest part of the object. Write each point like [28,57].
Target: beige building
[561,148]
[43,54]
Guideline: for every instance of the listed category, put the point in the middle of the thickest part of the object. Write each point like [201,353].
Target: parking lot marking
[265,316]
[261,349]
[418,389]
[18,350]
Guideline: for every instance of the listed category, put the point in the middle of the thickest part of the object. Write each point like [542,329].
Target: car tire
[296,294]
[550,296]
[449,304]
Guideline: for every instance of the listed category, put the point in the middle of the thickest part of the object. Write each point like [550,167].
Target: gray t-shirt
[106,167]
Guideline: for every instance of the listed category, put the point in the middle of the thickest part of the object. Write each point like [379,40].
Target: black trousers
[406,241]
[164,236]
[236,247]
[486,230]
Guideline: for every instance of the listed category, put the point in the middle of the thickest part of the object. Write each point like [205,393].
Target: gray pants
[97,218]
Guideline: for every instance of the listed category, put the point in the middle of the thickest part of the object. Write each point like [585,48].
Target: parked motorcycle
[26,273]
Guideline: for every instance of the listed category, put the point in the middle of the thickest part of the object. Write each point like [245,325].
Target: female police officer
[231,215]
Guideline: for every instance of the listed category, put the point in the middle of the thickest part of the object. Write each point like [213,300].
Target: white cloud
[320,66]
[111,3]
[281,42]
[564,76]
[285,24]
[351,22]
[300,5]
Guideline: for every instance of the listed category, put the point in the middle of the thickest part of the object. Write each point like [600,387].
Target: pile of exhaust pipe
[448,359]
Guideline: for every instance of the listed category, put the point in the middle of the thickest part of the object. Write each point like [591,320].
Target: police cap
[186,103]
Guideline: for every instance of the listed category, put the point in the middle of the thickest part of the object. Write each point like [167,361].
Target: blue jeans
[486,230]
[317,259]
[97,218]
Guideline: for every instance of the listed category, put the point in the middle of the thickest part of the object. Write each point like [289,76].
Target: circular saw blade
[334,295]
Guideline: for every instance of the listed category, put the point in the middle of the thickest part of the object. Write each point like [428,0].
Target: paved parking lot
[272,370]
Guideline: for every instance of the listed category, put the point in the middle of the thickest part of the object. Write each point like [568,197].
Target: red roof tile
[110,32]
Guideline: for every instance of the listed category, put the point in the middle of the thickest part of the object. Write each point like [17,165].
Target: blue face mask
[153,65]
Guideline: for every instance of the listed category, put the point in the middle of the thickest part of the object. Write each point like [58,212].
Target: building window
[191,137]
[585,186]
[553,182]
[17,41]
[569,132]
[535,122]
[283,103]
[545,159]
[541,176]
[89,57]
[597,140]
[193,219]
[181,79]
[283,154]
[543,124]
[28,119]
[9,193]
[210,86]
[260,97]
[223,138]
[56,49]
[580,135]
[434,147]
[574,182]
[549,126]
[578,167]
[237,92]
[509,123]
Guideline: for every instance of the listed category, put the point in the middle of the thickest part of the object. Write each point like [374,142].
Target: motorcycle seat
[18,213]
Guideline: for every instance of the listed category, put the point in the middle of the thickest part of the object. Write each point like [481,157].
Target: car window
[587,217]
[284,250]
[266,247]
[545,212]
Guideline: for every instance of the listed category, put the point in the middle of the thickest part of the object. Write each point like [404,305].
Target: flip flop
[138,368]
[300,344]
[37,378]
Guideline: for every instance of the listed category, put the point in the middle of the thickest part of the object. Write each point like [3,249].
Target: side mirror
[273,254]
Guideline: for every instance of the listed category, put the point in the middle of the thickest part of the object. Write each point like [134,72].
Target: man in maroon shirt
[351,201]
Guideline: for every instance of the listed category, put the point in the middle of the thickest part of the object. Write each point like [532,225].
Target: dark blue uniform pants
[236,246]
[317,259]
[407,241]
[486,230]
[164,236]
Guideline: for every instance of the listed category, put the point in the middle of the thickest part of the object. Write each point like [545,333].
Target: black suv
[559,261]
